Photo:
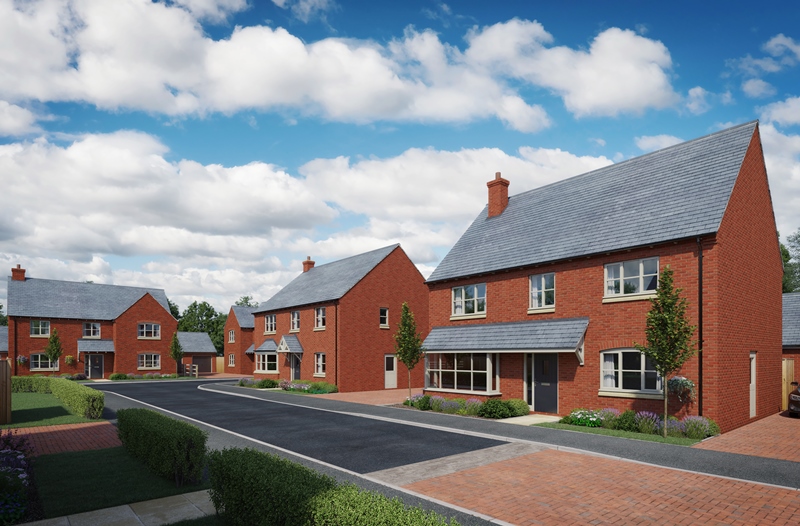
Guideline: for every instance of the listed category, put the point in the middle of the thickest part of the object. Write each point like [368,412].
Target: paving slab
[772,437]
[166,510]
[116,516]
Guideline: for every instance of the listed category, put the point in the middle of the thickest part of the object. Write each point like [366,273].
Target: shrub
[585,417]
[675,428]
[118,376]
[246,382]
[322,388]
[700,427]
[266,383]
[148,376]
[519,407]
[436,403]
[452,406]
[647,422]
[424,403]
[137,376]
[81,400]
[472,406]
[30,384]
[627,421]
[79,376]
[15,477]
[170,448]
[284,384]
[608,417]
[495,408]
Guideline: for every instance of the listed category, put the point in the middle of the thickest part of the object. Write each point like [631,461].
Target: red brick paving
[70,437]
[772,437]
[555,487]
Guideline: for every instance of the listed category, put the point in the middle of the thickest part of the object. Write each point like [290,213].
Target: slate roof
[251,349]
[678,192]
[292,343]
[196,342]
[267,346]
[95,346]
[791,319]
[3,338]
[326,282]
[49,298]
[563,334]
[244,315]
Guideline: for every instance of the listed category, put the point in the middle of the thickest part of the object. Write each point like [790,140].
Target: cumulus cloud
[697,101]
[15,120]
[782,156]
[650,143]
[757,88]
[785,112]
[212,10]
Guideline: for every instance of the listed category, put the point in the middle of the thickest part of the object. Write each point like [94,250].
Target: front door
[545,383]
[295,361]
[390,371]
[94,366]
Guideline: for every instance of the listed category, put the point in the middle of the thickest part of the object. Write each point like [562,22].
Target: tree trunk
[666,396]
[409,386]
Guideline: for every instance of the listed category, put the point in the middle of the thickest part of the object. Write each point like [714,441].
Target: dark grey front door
[295,366]
[95,365]
[545,383]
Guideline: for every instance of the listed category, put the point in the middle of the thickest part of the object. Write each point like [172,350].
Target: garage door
[203,363]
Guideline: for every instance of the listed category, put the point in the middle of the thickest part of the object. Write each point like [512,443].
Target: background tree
[53,349]
[791,263]
[246,301]
[408,342]
[202,317]
[174,309]
[3,317]
[176,352]
[669,335]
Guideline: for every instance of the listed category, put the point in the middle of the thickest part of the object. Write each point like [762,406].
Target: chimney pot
[498,195]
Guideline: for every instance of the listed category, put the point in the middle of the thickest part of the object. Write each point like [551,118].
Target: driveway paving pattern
[775,436]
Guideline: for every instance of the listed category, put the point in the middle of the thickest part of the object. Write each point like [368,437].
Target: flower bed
[493,408]
[15,478]
[149,376]
[646,422]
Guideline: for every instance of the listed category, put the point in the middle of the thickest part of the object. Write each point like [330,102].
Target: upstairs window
[319,318]
[151,331]
[637,276]
[40,328]
[231,336]
[469,300]
[91,330]
[269,323]
[543,291]
[295,320]
[384,317]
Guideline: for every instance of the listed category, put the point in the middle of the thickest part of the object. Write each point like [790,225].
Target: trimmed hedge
[170,448]
[79,399]
[260,488]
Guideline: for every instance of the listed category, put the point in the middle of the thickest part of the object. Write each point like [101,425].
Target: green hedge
[79,399]
[249,487]
[170,448]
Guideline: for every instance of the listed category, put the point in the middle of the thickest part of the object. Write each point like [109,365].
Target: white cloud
[697,101]
[782,156]
[757,88]
[786,112]
[15,120]
[781,45]
[650,143]
[306,10]
[212,10]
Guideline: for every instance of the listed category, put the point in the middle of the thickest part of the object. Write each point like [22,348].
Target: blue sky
[208,146]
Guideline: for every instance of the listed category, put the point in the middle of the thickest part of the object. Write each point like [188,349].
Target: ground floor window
[231,360]
[462,371]
[628,370]
[40,362]
[319,364]
[267,363]
[149,361]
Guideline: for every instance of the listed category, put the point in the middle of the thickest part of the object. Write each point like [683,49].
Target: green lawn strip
[90,480]
[40,409]
[208,520]
[621,434]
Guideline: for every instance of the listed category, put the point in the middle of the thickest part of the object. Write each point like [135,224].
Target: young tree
[246,301]
[408,342]
[669,335]
[176,351]
[53,349]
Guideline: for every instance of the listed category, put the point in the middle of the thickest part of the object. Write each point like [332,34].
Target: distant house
[199,349]
[546,293]
[791,342]
[103,328]
[336,322]
[239,356]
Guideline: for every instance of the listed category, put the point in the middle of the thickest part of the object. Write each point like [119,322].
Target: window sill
[44,370]
[148,338]
[463,391]
[148,368]
[629,297]
[456,317]
[319,329]
[294,330]
[265,372]
[631,394]
[317,375]
[544,310]
[383,327]
[40,336]
[269,332]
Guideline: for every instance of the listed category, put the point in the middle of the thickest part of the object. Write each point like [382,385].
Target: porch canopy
[95,346]
[267,347]
[540,336]
[290,343]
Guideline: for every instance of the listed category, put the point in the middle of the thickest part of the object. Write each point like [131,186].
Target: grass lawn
[89,480]
[39,409]
[622,434]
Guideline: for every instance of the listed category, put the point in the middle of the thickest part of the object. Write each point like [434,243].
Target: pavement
[488,472]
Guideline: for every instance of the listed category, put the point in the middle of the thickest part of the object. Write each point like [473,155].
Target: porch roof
[251,349]
[290,343]
[90,346]
[267,346]
[561,335]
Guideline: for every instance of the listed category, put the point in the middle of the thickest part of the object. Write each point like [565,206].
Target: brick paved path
[556,487]
[775,436]
[70,437]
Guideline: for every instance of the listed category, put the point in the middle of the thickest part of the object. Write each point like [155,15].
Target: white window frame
[37,359]
[231,336]
[383,320]
[231,360]
[437,373]
[40,328]
[461,302]
[266,365]
[614,286]
[149,331]
[319,318]
[612,378]
[538,295]
[91,330]
[148,361]
[269,324]
[319,364]
[295,316]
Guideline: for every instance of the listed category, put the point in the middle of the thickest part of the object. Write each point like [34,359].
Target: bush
[584,417]
[436,403]
[675,428]
[495,408]
[118,376]
[519,407]
[322,388]
[700,427]
[647,422]
[266,383]
[472,406]
[246,382]
[81,400]
[30,384]
[79,376]
[170,448]
[627,422]
[452,406]
[15,477]
[608,417]
[148,376]
[424,403]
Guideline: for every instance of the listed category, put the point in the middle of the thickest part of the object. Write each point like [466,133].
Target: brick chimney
[18,274]
[308,264]
[498,195]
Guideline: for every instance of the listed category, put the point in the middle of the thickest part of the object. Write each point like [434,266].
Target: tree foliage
[669,334]
[174,309]
[53,348]
[3,317]
[246,301]
[408,342]
[202,317]
[176,350]
[791,263]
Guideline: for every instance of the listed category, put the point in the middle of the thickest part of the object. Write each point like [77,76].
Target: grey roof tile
[556,334]
[3,339]
[251,349]
[49,298]
[326,282]
[677,192]
[791,319]
[95,346]
[196,342]
[267,346]
[292,343]
[244,315]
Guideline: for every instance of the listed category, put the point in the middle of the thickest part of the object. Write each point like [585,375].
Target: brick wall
[244,363]
[127,344]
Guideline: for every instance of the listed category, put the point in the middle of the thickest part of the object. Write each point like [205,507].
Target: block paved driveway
[524,481]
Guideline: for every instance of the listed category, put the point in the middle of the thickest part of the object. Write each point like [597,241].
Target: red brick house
[336,322]
[103,329]
[545,294]
[238,347]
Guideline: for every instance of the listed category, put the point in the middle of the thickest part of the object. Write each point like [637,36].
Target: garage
[203,363]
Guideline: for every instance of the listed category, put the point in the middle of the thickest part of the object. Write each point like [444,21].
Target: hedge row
[79,399]
[170,448]
[250,487]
